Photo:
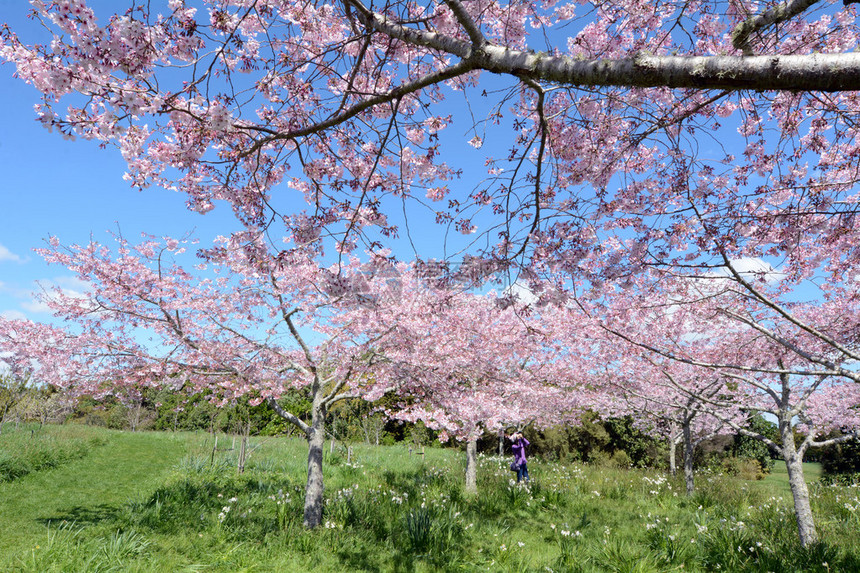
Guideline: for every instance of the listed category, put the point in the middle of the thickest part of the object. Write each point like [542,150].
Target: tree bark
[688,459]
[472,466]
[799,491]
[673,451]
[314,488]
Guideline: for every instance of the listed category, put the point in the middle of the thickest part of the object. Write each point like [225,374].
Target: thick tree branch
[382,24]
[780,13]
[812,72]
[466,21]
[767,441]
[808,72]
[834,441]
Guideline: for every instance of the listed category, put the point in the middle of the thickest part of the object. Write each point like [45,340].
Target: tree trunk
[243,447]
[688,459]
[673,452]
[501,444]
[799,491]
[314,488]
[472,466]
[673,448]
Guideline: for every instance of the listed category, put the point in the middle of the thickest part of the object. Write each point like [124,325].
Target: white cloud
[71,283]
[521,292]
[13,315]
[754,268]
[7,255]
[35,306]
[68,286]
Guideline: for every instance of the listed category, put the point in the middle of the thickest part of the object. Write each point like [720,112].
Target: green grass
[88,490]
[33,448]
[157,502]
[777,479]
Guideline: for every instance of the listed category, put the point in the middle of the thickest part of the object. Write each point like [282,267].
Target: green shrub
[620,459]
[747,447]
[841,459]
[744,468]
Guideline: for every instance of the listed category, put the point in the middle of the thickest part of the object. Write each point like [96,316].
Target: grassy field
[163,502]
[777,479]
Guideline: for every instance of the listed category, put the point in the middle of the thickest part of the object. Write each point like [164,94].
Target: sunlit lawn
[777,479]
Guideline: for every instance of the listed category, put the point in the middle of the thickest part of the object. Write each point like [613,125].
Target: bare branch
[544,134]
[784,313]
[396,93]
[715,365]
[756,384]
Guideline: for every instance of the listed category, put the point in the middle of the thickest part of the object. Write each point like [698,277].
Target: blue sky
[71,189]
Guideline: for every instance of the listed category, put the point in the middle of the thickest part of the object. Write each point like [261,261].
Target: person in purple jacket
[519,444]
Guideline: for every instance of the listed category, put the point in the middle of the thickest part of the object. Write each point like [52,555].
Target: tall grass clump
[67,549]
[29,450]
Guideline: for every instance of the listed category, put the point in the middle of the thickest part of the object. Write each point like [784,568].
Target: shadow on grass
[354,558]
[81,515]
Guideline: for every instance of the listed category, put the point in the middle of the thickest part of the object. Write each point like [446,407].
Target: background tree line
[607,441]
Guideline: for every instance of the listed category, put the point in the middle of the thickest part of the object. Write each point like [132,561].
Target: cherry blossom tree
[229,326]
[617,136]
[763,367]
[469,364]
[669,399]
[633,138]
